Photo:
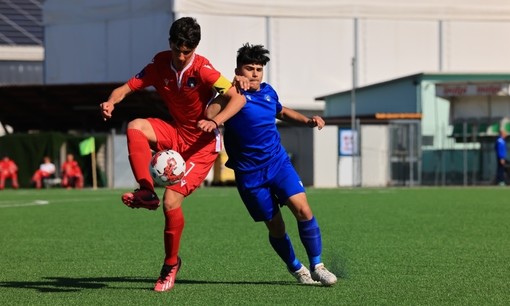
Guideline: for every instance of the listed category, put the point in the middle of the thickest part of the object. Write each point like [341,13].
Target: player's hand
[316,121]
[241,82]
[207,125]
[106,110]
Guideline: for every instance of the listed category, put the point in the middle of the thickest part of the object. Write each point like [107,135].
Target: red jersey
[71,168]
[185,93]
[8,166]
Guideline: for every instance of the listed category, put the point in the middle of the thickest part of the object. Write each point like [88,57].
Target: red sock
[139,157]
[174,224]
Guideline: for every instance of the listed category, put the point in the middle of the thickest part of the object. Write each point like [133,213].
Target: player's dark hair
[252,54]
[185,32]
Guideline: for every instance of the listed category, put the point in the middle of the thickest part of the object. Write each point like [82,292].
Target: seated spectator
[71,173]
[46,170]
[8,170]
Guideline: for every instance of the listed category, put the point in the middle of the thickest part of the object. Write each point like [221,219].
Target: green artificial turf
[392,246]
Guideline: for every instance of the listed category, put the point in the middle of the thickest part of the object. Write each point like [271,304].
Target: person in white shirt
[46,169]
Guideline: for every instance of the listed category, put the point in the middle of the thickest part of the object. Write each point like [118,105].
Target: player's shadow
[69,284]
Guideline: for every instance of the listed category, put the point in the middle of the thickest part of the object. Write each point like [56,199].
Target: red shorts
[199,156]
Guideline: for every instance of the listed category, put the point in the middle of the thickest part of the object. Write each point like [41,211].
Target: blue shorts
[262,191]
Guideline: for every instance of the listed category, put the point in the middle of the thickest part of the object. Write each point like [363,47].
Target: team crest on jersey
[140,74]
[166,81]
[192,82]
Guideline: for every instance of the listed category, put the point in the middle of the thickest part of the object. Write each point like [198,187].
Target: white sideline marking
[34,203]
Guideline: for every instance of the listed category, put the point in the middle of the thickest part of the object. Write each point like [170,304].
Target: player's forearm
[118,94]
[216,106]
[292,116]
[234,105]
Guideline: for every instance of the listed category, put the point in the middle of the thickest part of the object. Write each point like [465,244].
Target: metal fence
[462,160]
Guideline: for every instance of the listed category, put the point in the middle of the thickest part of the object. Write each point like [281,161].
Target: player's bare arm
[236,101]
[219,103]
[117,95]
[221,109]
[226,104]
[216,106]
[290,115]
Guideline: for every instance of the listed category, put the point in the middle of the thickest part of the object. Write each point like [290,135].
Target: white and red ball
[167,167]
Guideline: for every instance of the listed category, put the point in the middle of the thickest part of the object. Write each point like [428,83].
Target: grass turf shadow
[69,284]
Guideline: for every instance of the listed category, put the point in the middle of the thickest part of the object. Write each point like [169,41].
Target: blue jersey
[251,137]
[500,148]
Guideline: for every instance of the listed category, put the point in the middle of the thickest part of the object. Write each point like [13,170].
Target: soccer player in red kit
[71,173]
[186,82]
[8,169]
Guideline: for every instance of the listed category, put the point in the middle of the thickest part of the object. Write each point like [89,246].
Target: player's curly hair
[185,32]
[252,54]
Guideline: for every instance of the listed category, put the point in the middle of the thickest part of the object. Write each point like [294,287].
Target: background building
[21,46]
[317,48]
[427,128]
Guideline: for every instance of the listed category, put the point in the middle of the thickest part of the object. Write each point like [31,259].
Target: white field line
[11,204]
[19,204]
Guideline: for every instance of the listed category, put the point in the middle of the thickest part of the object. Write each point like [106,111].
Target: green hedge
[28,150]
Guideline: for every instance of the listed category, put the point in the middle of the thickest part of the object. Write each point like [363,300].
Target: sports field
[412,246]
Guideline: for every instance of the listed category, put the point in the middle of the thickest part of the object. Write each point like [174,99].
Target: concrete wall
[325,158]
[375,157]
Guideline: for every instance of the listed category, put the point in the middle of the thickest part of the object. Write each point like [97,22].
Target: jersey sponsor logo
[166,82]
[267,97]
[140,74]
[208,67]
[192,82]
[248,97]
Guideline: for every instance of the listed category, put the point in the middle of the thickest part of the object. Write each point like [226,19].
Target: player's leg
[2,180]
[140,135]
[72,182]
[198,164]
[79,181]
[263,207]
[310,234]
[174,225]
[14,180]
[37,179]
[65,181]
[281,243]
[289,186]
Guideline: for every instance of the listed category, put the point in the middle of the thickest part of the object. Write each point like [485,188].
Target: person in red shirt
[8,169]
[71,173]
[186,82]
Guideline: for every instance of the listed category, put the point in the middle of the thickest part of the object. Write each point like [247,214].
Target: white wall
[312,44]
[122,174]
[325,157]
[375,158]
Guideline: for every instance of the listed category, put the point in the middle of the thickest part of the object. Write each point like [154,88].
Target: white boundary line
[34,203]
[11,204]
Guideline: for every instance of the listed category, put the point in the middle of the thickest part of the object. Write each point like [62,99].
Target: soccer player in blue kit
[264,175]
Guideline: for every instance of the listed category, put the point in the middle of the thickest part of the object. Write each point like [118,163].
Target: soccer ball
[167,167]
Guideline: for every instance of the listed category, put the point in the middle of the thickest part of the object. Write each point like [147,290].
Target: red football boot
[141,198]
[167,276]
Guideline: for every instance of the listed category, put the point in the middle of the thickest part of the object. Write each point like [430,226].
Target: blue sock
[284,249]
[310,235]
